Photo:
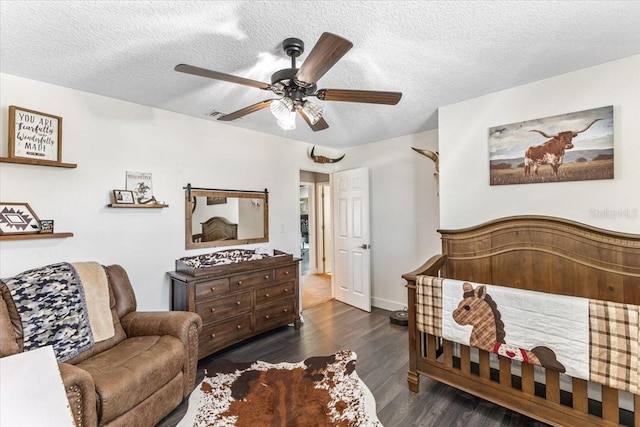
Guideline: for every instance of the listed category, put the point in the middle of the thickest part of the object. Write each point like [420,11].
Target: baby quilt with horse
[589,339]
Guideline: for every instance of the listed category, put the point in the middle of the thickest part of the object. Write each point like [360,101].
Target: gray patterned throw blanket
[52,307]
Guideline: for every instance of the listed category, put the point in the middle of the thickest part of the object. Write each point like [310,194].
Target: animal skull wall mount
[323,159]
[433,156]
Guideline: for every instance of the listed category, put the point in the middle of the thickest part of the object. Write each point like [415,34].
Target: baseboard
[386,304]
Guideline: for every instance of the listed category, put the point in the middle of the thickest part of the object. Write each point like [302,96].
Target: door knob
[364,246]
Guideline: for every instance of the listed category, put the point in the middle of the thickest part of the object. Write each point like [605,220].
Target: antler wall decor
[433,156]
[323,159]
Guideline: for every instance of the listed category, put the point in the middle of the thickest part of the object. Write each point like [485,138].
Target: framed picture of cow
[570,147]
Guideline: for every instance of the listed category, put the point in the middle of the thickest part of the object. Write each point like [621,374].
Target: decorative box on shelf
[238,293]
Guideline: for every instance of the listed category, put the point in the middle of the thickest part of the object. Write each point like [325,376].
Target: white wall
[468,199]
[404,211]
[106,138]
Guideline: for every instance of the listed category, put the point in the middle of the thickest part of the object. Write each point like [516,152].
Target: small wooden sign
[34,135]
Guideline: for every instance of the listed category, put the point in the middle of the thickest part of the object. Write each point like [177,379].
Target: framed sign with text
[34,135]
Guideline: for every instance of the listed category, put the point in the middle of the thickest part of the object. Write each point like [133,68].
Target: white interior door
[352,257]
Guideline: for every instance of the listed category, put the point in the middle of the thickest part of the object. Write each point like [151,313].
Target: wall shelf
[37,162]
[35,236]
[149,206]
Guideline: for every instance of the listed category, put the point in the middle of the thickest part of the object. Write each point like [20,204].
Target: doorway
[315,238]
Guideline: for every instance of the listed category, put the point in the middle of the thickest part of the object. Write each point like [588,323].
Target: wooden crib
[535,253]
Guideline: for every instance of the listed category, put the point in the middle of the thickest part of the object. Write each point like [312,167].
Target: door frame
[323,200]
[299,182]
[312,225]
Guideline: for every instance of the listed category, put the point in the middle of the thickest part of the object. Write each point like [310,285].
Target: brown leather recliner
[133,379]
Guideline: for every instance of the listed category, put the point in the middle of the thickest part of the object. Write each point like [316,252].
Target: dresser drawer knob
[285,310]
[239,282]
[266,295]
[286,290]
[213,289]
[239,327]
[286,273]
[213,309]
[266,277]
[213,335]
[237,302]
[266,317]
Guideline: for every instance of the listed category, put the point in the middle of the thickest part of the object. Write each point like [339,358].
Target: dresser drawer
[244,281]
[210,288]
[285,273]
[267,294]
[281,313]
[223,307]
[219,335]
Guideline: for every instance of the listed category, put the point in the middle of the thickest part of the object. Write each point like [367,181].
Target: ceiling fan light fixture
[281,108]
[312,111]
[288,123]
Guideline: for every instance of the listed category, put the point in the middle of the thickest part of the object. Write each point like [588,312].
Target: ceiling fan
[293,85]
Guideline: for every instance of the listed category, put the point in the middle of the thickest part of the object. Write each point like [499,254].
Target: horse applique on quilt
[479,310]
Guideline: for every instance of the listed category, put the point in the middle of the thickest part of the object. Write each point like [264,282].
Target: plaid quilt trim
[614,335]
[429,305]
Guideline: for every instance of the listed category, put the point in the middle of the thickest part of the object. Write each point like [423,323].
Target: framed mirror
[225,217]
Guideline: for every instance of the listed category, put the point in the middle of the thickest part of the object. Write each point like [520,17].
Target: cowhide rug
[320,391]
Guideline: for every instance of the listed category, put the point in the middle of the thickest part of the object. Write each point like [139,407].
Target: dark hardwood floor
[382,364]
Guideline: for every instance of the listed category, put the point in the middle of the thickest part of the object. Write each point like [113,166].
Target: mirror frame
[192,192]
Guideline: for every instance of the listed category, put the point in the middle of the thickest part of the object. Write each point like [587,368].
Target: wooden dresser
[240,300]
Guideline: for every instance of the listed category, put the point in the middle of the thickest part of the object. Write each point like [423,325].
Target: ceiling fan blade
[203,72]
[368,96]
[246,110]
[320,124]
[327,51]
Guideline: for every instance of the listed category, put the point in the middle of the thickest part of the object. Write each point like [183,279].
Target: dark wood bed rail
[536,253]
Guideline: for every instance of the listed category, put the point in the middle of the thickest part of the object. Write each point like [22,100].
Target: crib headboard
[219,228]
[546,254]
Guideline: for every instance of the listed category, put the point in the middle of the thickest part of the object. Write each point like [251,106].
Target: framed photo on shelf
[34,135]
[18,218]
[123,197]
[46,226]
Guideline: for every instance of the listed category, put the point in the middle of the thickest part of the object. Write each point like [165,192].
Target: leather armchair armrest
[184,325]
[175,323]
[81,393]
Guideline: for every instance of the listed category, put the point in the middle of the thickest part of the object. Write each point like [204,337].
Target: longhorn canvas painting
[570,147]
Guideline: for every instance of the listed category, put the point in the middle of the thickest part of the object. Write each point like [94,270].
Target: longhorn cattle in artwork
[551,152]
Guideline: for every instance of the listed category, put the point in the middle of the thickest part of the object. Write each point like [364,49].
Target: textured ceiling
[435,52]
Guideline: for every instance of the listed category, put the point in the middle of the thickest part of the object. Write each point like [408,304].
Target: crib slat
[528,383]
[431,348]
[553,386]
[610,411]
[580,399]
[483,361]
[447,346]
[465,359]
[505,371]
